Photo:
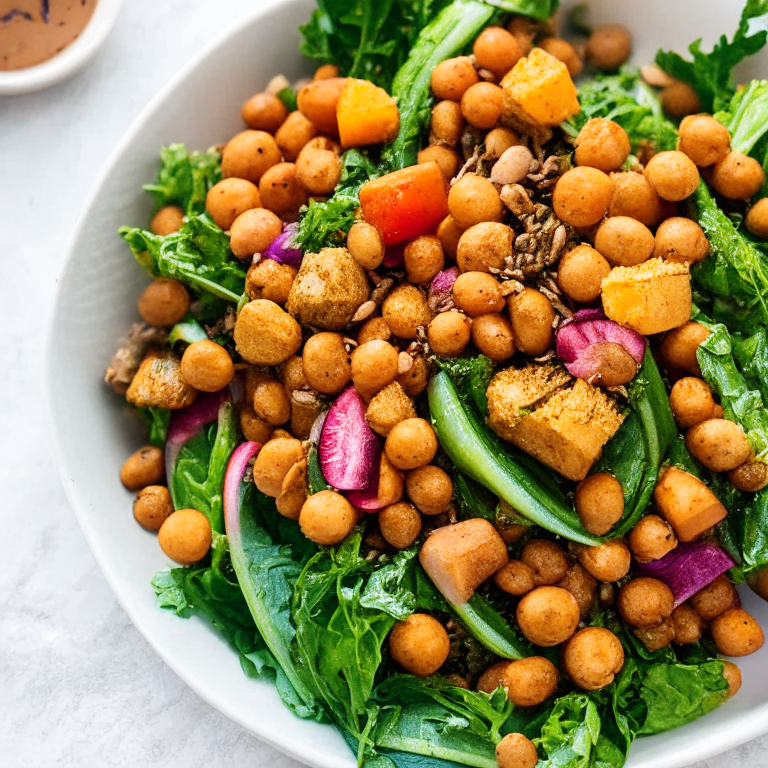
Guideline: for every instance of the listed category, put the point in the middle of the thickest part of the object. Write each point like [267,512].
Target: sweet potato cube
[566,427]
[459,558]
[405,203]
[540,86]
[687,504]
[651,297]
[366,114]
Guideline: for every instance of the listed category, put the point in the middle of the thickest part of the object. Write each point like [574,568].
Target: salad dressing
[34,31]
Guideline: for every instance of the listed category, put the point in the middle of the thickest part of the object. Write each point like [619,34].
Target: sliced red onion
[441,287]
[688,568]
[349,449]
[188,422]
[317,427]
[283,247]
[577,341]
[235,488]
[394,256]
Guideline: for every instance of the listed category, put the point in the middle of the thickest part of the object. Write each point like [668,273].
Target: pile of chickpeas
[308,333]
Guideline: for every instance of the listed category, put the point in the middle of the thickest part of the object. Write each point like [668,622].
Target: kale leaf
[157,419]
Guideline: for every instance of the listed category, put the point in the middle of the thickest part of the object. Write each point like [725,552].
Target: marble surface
[80,686]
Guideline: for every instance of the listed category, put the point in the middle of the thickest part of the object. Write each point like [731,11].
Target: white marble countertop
[80,686]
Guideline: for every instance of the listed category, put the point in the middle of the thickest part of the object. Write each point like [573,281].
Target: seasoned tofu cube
[540,86]
[159,384]
[459,558]
[651,297]
[564,427]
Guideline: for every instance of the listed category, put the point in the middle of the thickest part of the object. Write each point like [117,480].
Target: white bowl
[94,432]
[70,60]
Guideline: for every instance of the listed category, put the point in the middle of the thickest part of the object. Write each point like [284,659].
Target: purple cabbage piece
[688,568]
[283,247]
[441,287]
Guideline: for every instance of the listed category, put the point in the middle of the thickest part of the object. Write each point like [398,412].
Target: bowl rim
[72,58]
[693,751]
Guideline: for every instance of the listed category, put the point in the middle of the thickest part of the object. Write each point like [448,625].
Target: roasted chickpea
[716,597]
[326,72]
[719,444]
[645,602]
[326,363]
[592,658]
[599,503]
[400,524]
[680,240]
[736,633]
[207,366]
[651,539]
[563,51]
[253,231]
[657,637]
[167,221]
[608,47]
[290,372]
[264,112]
[497,50]
[405,310]
[449,233]
[607,562]
[152,506]
[365,245]
[423,259]
[547,561]
[473,200]
[679,100]
[252,427]
[516,751]
[447,159]
[732,674]
[582,196]
[691,401]
[318,100]
[477,293]
[493,678]
[756,220]
[530,681]
[482,105]
[602,144]
[265,334]
[373,329]
[532,315]
[484,246]
[249,155]
[524,30]
[451,78]
[751,476]
[430,489]
[492,335]
[678,349]
[580,273]
[687,623]
[271,280]
[271,403]
[515,578]
[499,140]
[624,242]
[633,196]
[273,463]
[327,518]
[513,166]
[143,468]
[185,536]
[582,585]
[281,191]
[673,175]
[374,366]
[411,444]
[737,176]
[414,380]
[164,302]
[229,198]
[447,124]
[419,644]
[704,139]
[318,170]
[293,135]
[449,333]
[548,616]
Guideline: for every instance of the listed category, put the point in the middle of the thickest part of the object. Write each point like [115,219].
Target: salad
[454,366]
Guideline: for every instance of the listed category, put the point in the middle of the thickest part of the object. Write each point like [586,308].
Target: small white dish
[93,431]
[70,60]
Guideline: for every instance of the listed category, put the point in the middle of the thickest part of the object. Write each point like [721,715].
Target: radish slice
[235,488]
[441,287]
[367,499]
[688,568]
[349,449]
[188,422]
[283,247]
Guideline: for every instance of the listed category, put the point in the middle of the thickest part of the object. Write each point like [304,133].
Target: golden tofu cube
[159,384]
[651,297]
[540,86]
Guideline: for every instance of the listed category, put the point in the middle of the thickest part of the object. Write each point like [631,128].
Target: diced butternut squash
[405,203]
[366,114]
[687,504]
[459,558]
[651,297]
[563,427]
[541,87]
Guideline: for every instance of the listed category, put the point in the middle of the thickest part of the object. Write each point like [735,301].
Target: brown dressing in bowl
[33,31]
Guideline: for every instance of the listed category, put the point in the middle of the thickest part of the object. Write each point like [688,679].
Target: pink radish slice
[367,499]
[283,247]
[349,449]
[235,488]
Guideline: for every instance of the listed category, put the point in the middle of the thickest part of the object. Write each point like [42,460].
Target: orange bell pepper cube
[405,203]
